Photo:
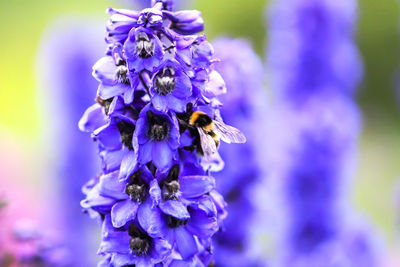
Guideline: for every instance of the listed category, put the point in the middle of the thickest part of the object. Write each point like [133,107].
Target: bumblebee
[211,131]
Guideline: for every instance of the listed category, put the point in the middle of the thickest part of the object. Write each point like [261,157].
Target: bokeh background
[24,122]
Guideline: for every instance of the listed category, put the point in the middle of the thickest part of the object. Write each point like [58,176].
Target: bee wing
[227,133]
[207,143]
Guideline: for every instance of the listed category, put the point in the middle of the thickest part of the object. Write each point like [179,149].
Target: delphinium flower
[245,107]
[66,84]
[175,5]
[22,243]
[315,68]
[158,127]
[36,249]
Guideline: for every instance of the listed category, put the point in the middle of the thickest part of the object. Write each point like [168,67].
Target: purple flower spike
[315,70]
[244,105]
[158,128]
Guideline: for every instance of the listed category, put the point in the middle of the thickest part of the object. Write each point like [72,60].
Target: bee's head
[200,119]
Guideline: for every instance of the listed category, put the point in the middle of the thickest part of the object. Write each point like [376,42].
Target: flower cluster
[158,127]
[244,107]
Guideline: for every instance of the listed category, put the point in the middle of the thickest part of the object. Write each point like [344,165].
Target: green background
[23,22]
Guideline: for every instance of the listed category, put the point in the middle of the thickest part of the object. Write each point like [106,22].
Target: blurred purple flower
[36,249]
[313,51]
[66,55]
[315,68]
[245,107]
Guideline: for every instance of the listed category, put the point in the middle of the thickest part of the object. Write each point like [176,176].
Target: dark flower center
[158,127]
[170,190]
[140,243]
[126,130]
[171,186]
[122,74]
[137,188]
[173,222]
[164,82]
[139,246]
[144,46]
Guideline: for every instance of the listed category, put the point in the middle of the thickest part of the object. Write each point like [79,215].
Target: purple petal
[151,220]
[185,243]
[196,186]
[115,242]
[175,209]
[186,139]
[110,186]
[159,102]
[120,260]
[141,131]
[183,86]
[97,202]
[216,86]
[109,91]
[92,119]
[176,104]
[123,212]
[162,156]
[108,136]
[145,152]
[105,70]
[155,192]
[111,160]
[128,96]
[183,15]
[202,225]
[161,249]
[206,204]
[147,176]
[173,140]
[128,164]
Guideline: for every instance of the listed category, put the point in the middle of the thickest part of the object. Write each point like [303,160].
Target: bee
[211,131]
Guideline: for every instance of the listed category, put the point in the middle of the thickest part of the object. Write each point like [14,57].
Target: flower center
[164,82]
[122,74]
[158,127]
[126,130]
[139,246]
[170,190]
[144,46]
[140,243]
[173,222]
[171,186]
[136,189]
